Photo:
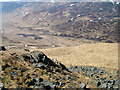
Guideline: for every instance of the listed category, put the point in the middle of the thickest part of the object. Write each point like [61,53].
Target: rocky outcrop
[101,78]
[40,60]
[35,70]
[45,72]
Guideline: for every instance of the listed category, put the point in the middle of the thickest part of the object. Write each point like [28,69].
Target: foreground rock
[100,77]
[38,58]
[36,70]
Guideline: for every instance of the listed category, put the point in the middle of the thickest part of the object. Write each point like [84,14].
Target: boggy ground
[36,70]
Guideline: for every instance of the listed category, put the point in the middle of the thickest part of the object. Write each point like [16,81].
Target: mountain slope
[94,22]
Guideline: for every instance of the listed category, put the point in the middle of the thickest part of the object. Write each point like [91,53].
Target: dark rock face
[40,60]
[27,50]
[109,41]
[38,56]
[39,79]
[2,48]
[98,84]
[5,66]
[31,83]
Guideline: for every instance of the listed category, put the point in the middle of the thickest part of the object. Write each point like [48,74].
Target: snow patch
[72,5]
[91,20]
[78,15]
[112,1]
[117,2]
[26,13]
[99,18]
[71,19]
[101,9]
[97,37]
[111,20]
[103,0]
[52,1]
[26,45]
[114,9]
[40,19]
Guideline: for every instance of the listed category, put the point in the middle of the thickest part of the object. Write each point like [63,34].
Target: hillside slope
[99,55]
[96,22]
[85,66]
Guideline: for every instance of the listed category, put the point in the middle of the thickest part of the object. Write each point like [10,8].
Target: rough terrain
[33,69]
[59,45]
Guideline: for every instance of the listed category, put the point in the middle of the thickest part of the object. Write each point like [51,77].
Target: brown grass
[99,55]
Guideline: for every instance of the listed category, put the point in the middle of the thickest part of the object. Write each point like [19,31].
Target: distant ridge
[11,6]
